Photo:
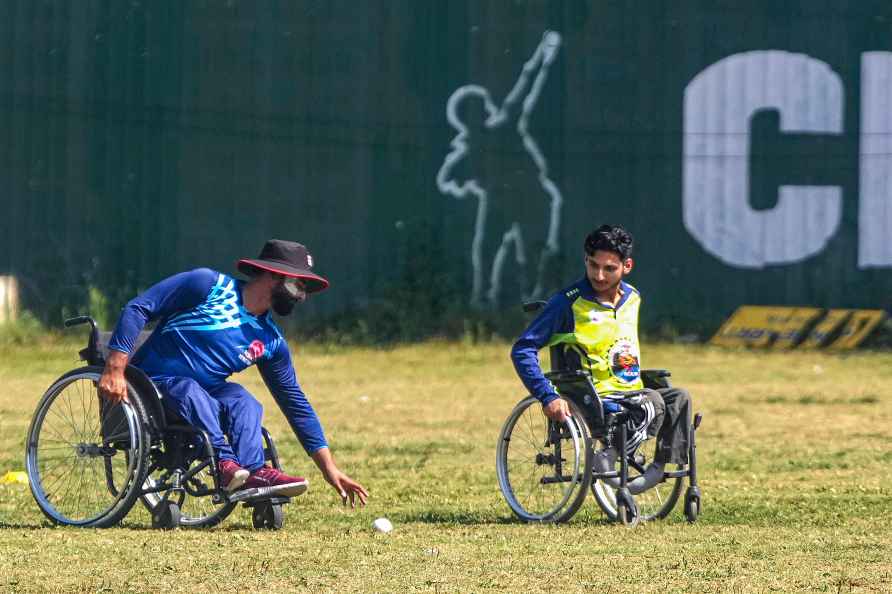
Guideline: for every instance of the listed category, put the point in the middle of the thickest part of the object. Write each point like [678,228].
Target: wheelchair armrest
[655,379]
[577,385]
[567,375]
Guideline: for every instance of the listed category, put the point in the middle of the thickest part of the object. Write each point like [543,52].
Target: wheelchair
[545,469]
[88,460]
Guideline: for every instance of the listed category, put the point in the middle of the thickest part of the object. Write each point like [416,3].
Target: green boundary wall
[139,139]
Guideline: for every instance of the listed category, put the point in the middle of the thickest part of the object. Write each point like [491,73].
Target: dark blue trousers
[224,411]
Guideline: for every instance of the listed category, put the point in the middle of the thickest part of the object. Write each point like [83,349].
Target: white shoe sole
[289,490]
[238,479]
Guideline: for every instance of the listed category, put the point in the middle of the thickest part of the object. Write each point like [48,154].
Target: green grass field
[795,452]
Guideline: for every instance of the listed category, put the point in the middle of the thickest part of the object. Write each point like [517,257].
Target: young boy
[598,317]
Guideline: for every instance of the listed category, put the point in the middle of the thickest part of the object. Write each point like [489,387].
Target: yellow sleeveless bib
[607,342]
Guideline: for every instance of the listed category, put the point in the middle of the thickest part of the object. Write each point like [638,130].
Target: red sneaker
[271,482]
[232,476]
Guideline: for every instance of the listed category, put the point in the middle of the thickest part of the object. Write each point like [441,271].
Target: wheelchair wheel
[199,505]
[86,458]
[166,516]
[544,468]
[267,516]
[654,503]
[628,513]
[692,504]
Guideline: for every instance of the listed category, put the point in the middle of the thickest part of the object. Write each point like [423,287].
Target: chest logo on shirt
[595,316]
[254,351]
[624,361]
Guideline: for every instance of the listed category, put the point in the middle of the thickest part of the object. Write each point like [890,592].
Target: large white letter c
[718,106]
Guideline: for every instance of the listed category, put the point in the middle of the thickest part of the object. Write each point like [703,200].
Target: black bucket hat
[286,258]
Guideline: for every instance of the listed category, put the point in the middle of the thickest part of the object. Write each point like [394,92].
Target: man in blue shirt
[597,318]
[211,326]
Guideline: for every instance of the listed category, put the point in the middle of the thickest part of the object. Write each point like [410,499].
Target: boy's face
[605,269]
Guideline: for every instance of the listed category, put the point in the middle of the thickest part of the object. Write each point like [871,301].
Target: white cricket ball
[382,525]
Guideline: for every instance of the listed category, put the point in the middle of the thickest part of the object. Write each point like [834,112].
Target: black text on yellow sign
[787,327]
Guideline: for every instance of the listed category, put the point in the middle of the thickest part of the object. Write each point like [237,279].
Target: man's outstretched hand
[348,489]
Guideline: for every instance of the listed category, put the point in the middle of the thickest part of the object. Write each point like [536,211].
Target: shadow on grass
[42,526]
[466,518]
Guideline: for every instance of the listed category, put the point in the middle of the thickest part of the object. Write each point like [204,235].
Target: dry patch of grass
[794,450]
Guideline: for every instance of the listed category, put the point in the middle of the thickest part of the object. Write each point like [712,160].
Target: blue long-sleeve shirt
[205,333]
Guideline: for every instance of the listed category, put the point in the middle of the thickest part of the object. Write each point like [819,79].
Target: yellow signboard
[862,323]
[763,326]
[793,329]
[824,330]
[785,327]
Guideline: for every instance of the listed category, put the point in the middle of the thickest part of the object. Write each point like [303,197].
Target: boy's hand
[557,410]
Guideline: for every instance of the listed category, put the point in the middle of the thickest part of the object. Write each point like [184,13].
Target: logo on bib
[624,361]
[595,316]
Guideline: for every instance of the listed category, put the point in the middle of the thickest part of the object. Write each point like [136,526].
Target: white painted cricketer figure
[526,93]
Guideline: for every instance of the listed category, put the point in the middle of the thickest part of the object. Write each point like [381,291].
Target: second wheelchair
[546,469]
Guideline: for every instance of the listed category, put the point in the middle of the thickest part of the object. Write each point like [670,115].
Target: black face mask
[283,303]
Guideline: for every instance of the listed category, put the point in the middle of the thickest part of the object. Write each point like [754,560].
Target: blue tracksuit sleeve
[279,376]
[557,317]
[177,292]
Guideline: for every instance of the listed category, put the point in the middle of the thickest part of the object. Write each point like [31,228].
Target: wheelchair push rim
[543,468]
[85,455]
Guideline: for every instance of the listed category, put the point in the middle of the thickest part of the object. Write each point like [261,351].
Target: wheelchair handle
[90,354]
[81,320]
[533,306]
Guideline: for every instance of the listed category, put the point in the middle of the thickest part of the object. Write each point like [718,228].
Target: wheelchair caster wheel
[166,516]
[627,509]
[692,504]
[268,517]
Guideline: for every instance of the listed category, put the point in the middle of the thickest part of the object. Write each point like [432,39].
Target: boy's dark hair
[610,238]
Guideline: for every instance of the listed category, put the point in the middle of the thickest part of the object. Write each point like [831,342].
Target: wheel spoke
[59,435]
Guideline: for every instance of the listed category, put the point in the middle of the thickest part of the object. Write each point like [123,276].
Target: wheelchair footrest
[260,494]
[261,501]
[548,480]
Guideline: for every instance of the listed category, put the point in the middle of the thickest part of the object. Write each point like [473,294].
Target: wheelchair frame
[576,386]
[180,453]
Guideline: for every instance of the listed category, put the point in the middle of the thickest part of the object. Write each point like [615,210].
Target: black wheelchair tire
[628,514]
[166,516]
[692,508]
[268,516]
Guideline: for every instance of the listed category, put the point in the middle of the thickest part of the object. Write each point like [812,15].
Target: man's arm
[556,318]
[279,375]
[181,291]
